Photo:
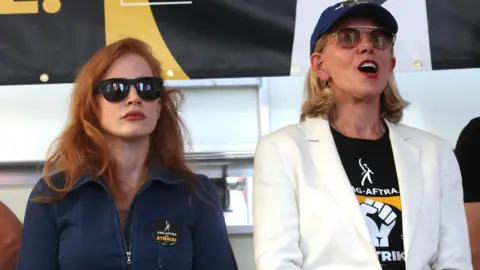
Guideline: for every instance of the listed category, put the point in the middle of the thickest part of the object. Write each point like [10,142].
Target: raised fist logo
[380,220]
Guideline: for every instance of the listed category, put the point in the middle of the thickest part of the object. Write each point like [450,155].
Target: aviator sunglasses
[350,37]
[117,89]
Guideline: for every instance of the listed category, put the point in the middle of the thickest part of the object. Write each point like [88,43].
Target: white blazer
[306,215]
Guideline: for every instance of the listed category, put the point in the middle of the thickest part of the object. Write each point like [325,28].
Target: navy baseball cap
[335,13]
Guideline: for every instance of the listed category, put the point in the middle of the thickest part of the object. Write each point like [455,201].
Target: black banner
[35,42]
[46,41]
[207,38]
[454,33]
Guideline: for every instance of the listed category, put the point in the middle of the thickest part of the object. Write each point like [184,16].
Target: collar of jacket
[316,129]
[156,173]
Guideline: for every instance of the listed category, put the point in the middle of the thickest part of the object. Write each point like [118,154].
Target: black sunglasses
[351,36]
[117,89]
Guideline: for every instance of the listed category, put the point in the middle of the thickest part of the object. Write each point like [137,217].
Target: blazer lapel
[329,166]
[409,173]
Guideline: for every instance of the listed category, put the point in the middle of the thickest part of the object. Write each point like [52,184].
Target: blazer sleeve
[275,211]
[212,249]
[39,242]
[454,247]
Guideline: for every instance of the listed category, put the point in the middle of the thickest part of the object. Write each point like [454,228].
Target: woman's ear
[317,64]
[394,62]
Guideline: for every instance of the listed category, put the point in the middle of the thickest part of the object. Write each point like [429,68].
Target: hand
[379,232]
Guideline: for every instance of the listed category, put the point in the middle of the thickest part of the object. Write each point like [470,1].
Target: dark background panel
[55,44]
[170,1]
[240,38]
[454,28]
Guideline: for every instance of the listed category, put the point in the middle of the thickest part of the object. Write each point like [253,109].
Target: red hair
[82,147]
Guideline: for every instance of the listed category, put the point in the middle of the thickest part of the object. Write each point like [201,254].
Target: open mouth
[368,67]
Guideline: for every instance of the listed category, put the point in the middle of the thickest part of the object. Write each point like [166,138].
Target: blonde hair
[319,102]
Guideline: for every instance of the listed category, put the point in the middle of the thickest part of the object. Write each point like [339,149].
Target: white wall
[226,119]
[33,115]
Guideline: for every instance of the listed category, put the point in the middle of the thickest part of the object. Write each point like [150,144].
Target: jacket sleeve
[468,153]
[453,248]
[275,214]
[39,243]
[212,249]
[11,229]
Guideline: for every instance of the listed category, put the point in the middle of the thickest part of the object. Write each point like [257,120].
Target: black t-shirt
[370,167]
[467,151]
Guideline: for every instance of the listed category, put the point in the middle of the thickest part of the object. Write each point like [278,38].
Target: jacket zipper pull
[129,257]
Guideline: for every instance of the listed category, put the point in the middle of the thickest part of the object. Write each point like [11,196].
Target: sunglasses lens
[348,37]
[381,38]
[114,91]
[149,88]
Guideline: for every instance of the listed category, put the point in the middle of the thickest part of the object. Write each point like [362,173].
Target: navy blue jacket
[168,227]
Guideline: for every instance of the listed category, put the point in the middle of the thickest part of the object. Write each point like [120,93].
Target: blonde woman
[350,187]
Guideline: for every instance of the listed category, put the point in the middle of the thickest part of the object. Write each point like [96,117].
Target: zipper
[129,258]
[128,249]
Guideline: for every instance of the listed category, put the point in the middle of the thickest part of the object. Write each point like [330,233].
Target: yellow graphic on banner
[139,22]
[16,7]
[52,6]
[29,7]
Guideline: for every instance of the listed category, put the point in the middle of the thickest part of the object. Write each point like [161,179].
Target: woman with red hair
[116,192]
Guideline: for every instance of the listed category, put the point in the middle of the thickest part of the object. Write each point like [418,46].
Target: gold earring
[327,90]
